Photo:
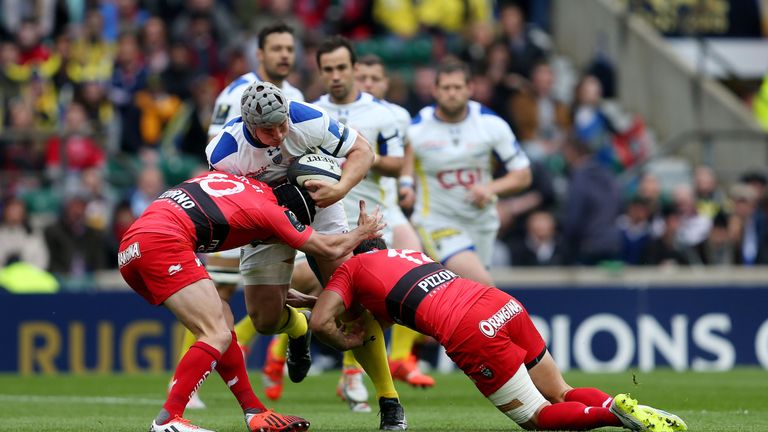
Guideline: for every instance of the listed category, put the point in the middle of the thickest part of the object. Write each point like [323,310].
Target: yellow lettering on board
[129,342]
[42,356]
[77,348]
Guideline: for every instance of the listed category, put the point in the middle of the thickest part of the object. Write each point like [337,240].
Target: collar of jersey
[251,140]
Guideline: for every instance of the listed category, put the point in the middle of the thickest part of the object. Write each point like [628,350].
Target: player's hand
[407,197]
[324,193]
[370,225]
[299,300]
[480,195]
[354,333]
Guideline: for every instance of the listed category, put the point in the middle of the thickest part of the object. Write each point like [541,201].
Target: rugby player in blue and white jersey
[261,144]
[453,144]
[336,61]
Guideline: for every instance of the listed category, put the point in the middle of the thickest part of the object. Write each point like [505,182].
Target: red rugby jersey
[220,211]
[406,287]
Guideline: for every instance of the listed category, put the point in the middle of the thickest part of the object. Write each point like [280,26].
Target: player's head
[370,245]
[276,53]
[371,77]
[265,112]
[452,87]
[336,61]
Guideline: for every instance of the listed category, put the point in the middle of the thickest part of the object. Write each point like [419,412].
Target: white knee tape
[225,276]
[520,388]
[278,273]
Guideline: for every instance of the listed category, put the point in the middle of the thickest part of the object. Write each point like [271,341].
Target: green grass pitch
[732,401]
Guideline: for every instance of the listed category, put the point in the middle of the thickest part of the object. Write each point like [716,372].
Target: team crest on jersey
[300,227]
[128,254]
[221,114]
[488,373]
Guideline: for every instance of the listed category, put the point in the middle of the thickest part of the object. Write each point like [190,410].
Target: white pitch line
[79,399]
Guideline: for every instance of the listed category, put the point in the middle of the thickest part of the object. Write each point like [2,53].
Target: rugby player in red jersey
[486,332]
[218,211]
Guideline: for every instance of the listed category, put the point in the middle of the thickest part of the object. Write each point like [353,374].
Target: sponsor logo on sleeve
[300,227]
[489,327]
[128,254]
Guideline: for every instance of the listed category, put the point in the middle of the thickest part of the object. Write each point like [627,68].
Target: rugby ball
[314,167]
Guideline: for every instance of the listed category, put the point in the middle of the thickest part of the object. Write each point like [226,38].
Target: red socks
[575,416]
[589,397]
[231,367]
[191,372]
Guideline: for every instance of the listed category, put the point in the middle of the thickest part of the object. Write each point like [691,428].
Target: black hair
[333,43]
[277,27]
[370,245]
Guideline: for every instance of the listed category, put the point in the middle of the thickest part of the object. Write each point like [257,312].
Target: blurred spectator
[18,241]
[709,197]
[122,218]
[190,134]
[421,89]
[101,198]
[541,246]
[149,185]
[541,120]
[694,227]
[76,249]
[39,13]
[590,124]
[524,51]
[650,191]
[591,208]
[396,16]
[129,76]
[719,245]
[74,149]
[666,250]
[748,227]
[635,230]
[29,39]
[92,95]
[122,16]
[94,55]
[206,51]
[515,210]
[154,44]
[451,16]
[178,76]
[218,20]
[157,107]
[21,147]
[759,183]
[477,47]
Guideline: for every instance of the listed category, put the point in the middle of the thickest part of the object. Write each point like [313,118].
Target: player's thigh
[483,237]
[548,379]
[199,308]
[224,268]
[270,264]
[303,278]
[265,304]
[467,264]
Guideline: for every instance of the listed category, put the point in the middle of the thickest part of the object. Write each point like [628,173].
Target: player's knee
[266,321]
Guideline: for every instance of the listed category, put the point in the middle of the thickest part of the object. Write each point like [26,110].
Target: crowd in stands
[104,104]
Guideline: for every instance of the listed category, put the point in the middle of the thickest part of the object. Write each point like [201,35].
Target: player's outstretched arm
[335,246]
[360,158]
[328,308]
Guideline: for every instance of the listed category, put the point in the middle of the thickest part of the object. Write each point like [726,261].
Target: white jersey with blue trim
[451,157]
[310,129]
[227,105]
[377,123]
[403,118]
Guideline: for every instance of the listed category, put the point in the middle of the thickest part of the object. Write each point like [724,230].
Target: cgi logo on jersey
[490,326]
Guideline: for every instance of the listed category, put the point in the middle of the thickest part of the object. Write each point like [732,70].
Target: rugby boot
[272,374]
[392,415]
[351,389]
[270,421]
[635,418]
[177,424]
[298,357]
[408,371]
[672,420]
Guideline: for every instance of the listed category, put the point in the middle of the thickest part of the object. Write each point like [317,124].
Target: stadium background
[104,104]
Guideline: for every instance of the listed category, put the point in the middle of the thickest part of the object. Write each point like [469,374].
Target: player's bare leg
[304,281]
[223,267]
[469,266]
